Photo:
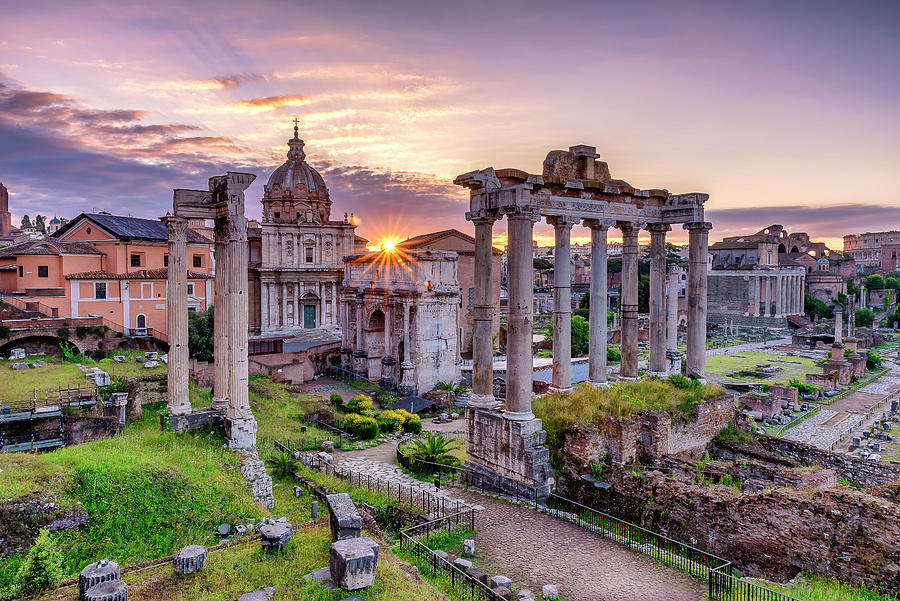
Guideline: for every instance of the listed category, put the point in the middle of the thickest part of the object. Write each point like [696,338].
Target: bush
[613,355]
[545,353]
[803,387]
[81,331]
[117,384]
[362,426]
[98,354]
[873,360]
[864,318]
[413,425]
[282,465]
[62,333]
[362,405]
[5,332]
[336,399]
[585,314]
[42,567]
[390,421]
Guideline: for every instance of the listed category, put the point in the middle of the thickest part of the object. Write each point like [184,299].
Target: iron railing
[463,585]
[723,586]
[61,397]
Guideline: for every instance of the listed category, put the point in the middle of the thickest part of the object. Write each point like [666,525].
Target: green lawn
[719,366]
[815,588]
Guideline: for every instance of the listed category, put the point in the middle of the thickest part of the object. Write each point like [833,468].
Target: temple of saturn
[223,203]
[506,447]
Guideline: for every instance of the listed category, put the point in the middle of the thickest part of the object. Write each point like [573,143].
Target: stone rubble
[253,469]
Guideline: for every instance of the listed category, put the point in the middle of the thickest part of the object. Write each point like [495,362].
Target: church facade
[296,269]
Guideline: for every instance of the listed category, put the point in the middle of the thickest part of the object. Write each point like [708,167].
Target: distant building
[867,248]
[5,217]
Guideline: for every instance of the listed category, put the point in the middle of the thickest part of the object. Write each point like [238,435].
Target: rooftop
[132,228]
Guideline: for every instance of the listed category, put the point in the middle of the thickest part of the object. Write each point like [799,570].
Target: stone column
[298,314]
[407,381]
[698,248]
[482,312]
[222,316]
[520,359]
[285,288]
[628,301]
[387,359]
[242,431]
[779,296]
[264,305]
[359,353]
[767,296]
[658,298]
[179,401]
[334,305]
[838,325]
[597,340]
[562,303]
[674,285]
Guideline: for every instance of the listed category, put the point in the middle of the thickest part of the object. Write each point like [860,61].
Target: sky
[783,112]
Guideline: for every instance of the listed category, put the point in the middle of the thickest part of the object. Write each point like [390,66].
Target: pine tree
[42,567]
[39,224]
[26,222]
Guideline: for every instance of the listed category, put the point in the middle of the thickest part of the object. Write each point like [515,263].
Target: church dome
[296,170]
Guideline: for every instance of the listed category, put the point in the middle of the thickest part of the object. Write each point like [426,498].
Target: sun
[389,245]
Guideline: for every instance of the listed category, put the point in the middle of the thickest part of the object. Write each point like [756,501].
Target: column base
[561,389]
[179,409]
[600,385]
[518,416]
[622,378]
[657,374]
[219,404]
[483,401]
[240,432]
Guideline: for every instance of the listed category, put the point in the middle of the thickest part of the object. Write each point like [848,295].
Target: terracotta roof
[133,228]
[48,246]
[161,273]
[426,239]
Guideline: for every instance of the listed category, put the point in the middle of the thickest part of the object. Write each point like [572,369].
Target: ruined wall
[21,520]
[648,434]
[78,429]
[144,390]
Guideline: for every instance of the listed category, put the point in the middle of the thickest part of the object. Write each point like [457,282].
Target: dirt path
[534,549]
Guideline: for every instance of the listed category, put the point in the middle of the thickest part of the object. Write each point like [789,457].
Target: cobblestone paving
[534,549]
[814,432]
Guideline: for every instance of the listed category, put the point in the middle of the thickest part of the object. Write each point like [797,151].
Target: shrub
[362,426]
[545,353]
[98,354]
[864,318]
[81,331]
[362,405]
[434,448]
[803,387]
[5,332]
[42,567]
[117,384]
[873,360]
[413,425]
[62,333]
[390,421]
[336,399]
[613,355]
[282,465]
[454,389]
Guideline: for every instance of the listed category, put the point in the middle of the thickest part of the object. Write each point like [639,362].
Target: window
[135,260]
[309,254]
[190,288]
[471,297]
[165,260]
[87,229]
[277,215]
[21,271]
[100,290]
[43,271]
[198,261]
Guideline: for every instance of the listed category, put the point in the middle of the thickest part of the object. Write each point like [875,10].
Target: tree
[42,567]
[644,294]
[434,449]
[583,313]
[842,300]
[540,266]
[852,288]
[39,224]
[200,334]
[26,222]
[892,282]
[585,302]
[814,307]
[864,318]
[874,282]
[580,330]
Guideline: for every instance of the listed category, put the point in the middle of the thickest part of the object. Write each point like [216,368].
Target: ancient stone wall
[21,520]
[144,390]
[253,469]
[648,435]
[78,429]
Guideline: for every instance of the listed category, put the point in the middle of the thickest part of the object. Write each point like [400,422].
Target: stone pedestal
[408,380]
[509,455]
[387,381]
[361,364]
[353,562]
[190,559]
[343,517]
[110,590]
[673,362]
[275,537]
[240,432]
[95,573]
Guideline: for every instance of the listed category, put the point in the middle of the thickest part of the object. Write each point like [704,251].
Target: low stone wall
[253,469]
[78,429]
[648,434]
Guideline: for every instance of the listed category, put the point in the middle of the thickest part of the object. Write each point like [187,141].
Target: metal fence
[725,587]
[462,585]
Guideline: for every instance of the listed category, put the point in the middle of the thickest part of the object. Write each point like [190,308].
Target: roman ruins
[223,203]
[574,188]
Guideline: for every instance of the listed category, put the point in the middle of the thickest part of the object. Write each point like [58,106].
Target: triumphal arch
[506,446]
[224,204]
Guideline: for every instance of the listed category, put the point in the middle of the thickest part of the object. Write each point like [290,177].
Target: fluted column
[767,296]
[264,305]
[629,301]
[520,360]
[674,285]
[698,248]
[753,290]
[657,363]
[222,316]
[239,402]
[483,311]
[178,395]
[597,336]
[838,326]
[562,303]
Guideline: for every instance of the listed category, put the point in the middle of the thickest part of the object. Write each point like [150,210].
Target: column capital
[697,225]
[658,228]
[598,224]
[176,227]
[563,221]
[529,212]
[483,216]
[629,226]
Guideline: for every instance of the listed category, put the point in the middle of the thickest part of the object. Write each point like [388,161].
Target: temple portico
[574,188]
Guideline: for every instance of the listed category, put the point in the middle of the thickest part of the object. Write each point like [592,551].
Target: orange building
[101,265]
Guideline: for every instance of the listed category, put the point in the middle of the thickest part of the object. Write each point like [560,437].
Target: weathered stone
[109,590]
[549,591]
[190,559]
[469,546]
[151,364]
[524,595]
[344,518]
[20,366]
[321,575]
[224,529]
[276,536]
[504,592]
[479,575]
[262,594]
[95,573]
[498,581]
[462,564]
[353,562]
[325,457]
[441,555]
[16,353]
[253,469]
[328,446]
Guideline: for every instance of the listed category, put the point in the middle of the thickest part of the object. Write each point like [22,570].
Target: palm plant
[282,465]
[434,449]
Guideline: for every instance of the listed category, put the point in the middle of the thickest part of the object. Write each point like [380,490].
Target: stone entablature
[400,318]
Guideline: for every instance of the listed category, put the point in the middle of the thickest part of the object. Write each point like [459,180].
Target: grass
[586,404]
[280,413]
[719,366]
[21,384]
[816,588]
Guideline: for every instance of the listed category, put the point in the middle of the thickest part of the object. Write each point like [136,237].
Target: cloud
[819,222]
[272,102]
[223,82]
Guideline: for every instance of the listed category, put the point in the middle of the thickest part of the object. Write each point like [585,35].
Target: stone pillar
[482,312]
[520,359]
[179,401]
[597,340]
[359,353]
[222,316]
[264,305]
[698,248]
[658,298]
[674,285]
[779,306]
[407,382]
[334,304]
[240,424]
[628,301]
[767,295]
[562,303]
[838,325]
